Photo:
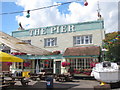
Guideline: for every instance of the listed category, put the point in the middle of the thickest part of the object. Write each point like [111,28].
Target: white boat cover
[20,46]
[107,72]
[101,68]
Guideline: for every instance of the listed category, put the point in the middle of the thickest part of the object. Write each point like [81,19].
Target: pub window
[48,42]
[27,41]
[80,63]
[83,39]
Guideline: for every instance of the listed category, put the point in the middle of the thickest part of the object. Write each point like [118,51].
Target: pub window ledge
[83,44]
[50,46]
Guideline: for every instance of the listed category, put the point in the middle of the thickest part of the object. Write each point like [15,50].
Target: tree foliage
[112,44]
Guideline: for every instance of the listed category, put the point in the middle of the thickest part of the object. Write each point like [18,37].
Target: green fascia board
[40,57]
[84,26]
[80,56]
[20,33]
[60,56]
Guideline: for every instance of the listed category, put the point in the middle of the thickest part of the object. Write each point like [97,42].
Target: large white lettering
[43,31]
[53,30]
[71,28]
[37,32]
[63,29]
[31,32]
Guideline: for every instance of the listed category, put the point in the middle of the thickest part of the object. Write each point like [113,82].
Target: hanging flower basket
[64,64]
[9,63]
[68,64]
[92,64]
[46,65]
[26,64]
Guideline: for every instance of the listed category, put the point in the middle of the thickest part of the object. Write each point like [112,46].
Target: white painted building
[78,44]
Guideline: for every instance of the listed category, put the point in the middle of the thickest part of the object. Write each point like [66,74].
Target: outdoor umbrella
[5,57]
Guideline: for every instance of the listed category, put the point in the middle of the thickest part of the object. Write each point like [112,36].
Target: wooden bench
[1,86]
[9,82]
[34,77]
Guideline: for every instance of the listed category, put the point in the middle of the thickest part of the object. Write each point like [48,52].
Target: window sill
[83,45]
[50,46]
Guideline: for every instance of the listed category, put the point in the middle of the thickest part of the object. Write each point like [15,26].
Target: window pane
[90,38]
[82,39]
[50,42]
[27,41]
[78,41]
[86,41]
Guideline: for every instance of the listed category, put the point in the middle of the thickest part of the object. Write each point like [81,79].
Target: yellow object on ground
[102,83]
[5,57]
[26,74]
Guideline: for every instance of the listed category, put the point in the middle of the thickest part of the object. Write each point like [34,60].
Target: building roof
[20,46]
[82,51]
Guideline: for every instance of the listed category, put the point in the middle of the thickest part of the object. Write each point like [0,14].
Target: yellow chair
[26,74]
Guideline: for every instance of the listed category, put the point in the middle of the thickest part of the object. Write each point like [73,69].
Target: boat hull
[108,77]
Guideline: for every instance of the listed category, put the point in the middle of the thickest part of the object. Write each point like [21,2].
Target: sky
[64,14]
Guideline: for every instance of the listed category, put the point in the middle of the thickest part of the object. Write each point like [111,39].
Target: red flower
[68,64]
[46,64]
[92,64]
[9,63]
[64,64]
[26,64]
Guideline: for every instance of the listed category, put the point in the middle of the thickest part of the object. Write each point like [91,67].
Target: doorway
[58,67]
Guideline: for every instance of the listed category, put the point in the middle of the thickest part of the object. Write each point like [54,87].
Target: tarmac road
[80,84]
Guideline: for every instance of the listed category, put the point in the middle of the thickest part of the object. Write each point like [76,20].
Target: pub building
[76,45]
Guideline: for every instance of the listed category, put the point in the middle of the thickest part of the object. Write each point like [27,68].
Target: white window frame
[81,63]
[50,42]
[82,40]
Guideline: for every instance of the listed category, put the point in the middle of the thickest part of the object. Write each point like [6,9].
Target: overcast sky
[69,13]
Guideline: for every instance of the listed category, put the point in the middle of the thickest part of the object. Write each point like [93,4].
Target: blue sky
[65,14]
[9,22]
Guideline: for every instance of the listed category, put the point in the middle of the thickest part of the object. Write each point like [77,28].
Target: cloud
[77,13]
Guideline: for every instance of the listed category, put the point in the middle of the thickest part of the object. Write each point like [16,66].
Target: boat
[107,72]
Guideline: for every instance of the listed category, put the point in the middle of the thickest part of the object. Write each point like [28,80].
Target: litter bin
[49,82]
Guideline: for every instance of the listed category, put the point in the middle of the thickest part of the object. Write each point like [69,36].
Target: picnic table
[9,82]
[21,79]
[63,77]
[17,78]
[5,82]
